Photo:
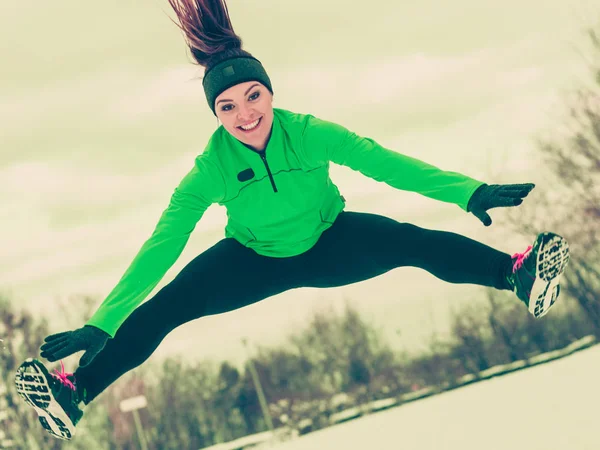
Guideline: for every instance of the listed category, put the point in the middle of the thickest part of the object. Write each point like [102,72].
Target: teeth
[252,125]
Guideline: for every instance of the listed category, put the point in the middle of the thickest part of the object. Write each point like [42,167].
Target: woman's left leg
[359,246]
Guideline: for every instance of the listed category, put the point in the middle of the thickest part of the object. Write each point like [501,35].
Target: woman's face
[244,104]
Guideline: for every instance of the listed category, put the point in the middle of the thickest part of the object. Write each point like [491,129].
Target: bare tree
[497,319]
[472,335]
[22,333]
[572,207]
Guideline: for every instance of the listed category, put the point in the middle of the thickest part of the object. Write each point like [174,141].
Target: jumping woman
[287,228]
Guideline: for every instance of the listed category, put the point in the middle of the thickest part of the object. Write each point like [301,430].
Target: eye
[254,96]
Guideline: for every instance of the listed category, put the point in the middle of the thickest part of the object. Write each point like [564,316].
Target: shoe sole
[552,257]
[32,382]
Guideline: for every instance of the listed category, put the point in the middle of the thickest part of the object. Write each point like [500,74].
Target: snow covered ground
[547,407]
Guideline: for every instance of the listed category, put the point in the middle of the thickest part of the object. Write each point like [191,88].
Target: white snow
[547,407]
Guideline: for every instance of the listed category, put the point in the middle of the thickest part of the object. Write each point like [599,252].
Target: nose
[244,112]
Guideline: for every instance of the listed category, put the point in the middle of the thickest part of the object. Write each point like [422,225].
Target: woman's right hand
[88,338]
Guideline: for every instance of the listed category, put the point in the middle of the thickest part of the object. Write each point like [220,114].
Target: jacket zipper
[263,156]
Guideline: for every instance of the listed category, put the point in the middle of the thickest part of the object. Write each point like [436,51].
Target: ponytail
[208,31]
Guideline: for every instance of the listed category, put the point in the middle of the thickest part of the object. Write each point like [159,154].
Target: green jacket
[278,202]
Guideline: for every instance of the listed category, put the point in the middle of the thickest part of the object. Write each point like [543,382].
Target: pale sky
[99,121]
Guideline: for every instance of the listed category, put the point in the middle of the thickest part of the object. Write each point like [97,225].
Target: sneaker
[536,272]
[53,396]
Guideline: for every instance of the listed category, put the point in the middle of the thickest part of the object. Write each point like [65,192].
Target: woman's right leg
[225,277]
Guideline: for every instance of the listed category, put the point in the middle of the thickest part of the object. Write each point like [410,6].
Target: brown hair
[208,31]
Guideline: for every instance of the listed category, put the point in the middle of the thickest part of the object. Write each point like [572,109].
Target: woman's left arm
[329,141]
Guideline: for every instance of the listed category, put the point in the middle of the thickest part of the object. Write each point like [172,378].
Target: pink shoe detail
[521,257]
[62,377]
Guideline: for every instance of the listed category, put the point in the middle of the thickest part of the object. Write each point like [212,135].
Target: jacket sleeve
[326,141]
[201,187]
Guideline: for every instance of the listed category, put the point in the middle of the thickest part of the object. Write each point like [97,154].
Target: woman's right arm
[201,187]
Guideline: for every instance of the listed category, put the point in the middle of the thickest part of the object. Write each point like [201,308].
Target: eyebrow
[246,93]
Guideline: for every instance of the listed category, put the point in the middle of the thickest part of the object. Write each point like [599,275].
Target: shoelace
[521,257]
[62,377]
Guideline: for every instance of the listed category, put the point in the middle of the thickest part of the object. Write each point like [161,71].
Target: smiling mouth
[253,129]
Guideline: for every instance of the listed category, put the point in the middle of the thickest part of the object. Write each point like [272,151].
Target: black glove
[494,196]
[63,344]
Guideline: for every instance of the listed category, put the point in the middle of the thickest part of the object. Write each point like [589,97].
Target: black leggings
[228,276]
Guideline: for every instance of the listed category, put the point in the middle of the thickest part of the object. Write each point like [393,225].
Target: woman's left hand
[494,196]
[60,345]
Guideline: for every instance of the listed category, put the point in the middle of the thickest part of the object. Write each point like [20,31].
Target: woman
[286,228]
